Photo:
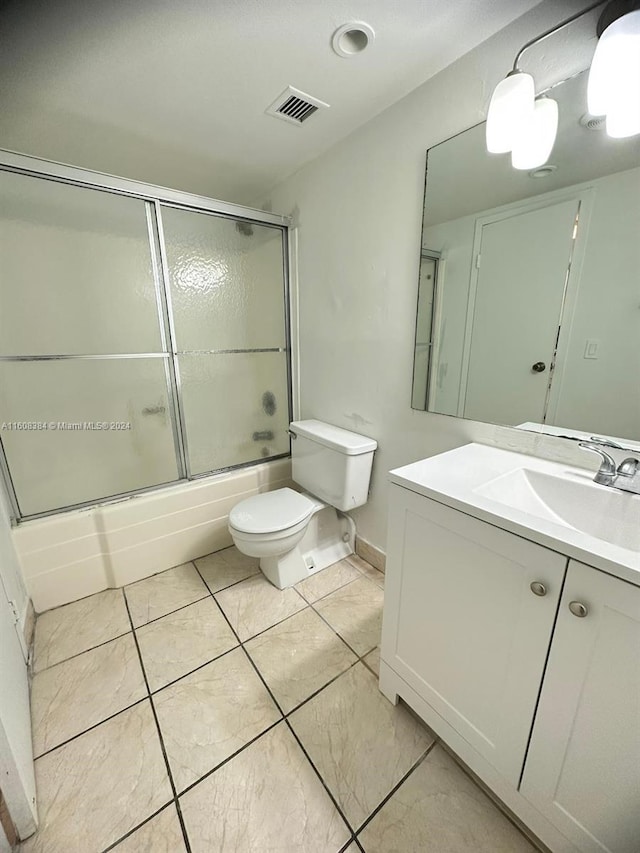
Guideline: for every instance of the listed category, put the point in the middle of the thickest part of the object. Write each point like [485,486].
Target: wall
[11,579]
[358,211]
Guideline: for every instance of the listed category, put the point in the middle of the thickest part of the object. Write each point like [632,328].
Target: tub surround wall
[76,554]
[358,215]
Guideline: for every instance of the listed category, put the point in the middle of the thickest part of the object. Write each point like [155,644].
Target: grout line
[137,827]
[285,719]
[170,613]
[195,669]
[228,758]
[162,746]
[77,654]
[399,784]
[318,774]
[90,728]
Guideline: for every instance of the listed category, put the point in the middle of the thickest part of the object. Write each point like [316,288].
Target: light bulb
[536,136]
[511,103]
[614,78]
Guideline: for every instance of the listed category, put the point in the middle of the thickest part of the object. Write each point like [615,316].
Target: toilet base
[330,537]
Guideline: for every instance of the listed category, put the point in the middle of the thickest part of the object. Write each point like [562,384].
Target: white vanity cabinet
[483,635]
[583,765]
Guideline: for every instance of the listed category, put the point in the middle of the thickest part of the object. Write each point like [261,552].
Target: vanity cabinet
[484,636]
[583,765]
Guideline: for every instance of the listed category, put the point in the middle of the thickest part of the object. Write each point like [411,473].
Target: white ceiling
[174,91]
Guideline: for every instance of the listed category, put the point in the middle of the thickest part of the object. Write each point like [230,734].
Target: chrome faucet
[626,476]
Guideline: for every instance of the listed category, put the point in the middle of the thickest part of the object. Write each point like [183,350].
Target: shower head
[244,228]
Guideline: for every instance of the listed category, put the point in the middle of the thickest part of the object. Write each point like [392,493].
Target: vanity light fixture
[536,135]
[526,127]
[614,79]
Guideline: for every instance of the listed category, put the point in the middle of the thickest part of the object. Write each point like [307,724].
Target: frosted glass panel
[55,467]
[76,273]
[227,282]
[236,408]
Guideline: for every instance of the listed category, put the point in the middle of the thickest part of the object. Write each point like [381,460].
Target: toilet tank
[333,464]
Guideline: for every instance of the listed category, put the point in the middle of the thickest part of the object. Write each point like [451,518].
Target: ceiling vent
[295,106]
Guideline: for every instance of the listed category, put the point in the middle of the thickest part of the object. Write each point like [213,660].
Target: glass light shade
[536,136]
[615,70]
[511,104]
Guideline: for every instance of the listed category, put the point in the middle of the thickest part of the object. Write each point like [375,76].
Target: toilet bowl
[295,534]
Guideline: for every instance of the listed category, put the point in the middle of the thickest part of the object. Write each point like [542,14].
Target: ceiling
[174,92]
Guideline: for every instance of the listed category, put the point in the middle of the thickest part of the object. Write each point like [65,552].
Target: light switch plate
[591,349]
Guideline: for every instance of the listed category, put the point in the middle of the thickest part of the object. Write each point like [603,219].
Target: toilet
[295,534]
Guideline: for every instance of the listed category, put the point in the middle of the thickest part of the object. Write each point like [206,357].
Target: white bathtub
[77,553]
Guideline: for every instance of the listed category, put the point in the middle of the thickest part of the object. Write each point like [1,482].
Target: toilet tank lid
[349,443]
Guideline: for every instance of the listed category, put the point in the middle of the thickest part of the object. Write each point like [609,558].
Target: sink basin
[549,502]
[598,511]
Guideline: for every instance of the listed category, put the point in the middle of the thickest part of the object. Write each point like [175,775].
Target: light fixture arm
[553,30]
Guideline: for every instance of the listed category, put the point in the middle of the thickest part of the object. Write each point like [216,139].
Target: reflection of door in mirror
[521,270]
[424,320]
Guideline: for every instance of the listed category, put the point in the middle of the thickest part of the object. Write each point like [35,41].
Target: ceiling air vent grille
[295,106]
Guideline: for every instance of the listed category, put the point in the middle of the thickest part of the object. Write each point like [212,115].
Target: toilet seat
[271,512]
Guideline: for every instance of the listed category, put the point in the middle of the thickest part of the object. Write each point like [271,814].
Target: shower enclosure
[143,336]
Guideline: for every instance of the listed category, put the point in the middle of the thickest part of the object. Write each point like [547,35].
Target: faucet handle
[629,467]
[607,470]
[604,442]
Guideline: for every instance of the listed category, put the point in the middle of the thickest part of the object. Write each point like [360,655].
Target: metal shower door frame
[153,197]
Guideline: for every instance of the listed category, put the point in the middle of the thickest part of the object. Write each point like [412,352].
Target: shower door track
[154,197]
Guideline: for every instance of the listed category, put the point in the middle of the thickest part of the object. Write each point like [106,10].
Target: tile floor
[203,710]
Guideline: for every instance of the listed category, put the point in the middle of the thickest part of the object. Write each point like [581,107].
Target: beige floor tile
[355,612]
[326,581]
[162,834]
[361,744]
[96,788]
[76,694]
[372,660]
[267,798]
[226,567]
[77,627]
[175,644]
[367,569]
[255,604]
[161,594]
[298,657]
[208,715]
[439,809]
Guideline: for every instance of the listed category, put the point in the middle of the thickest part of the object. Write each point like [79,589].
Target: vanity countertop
[557,505]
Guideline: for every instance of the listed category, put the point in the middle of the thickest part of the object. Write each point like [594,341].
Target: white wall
[358,209]
[11,578]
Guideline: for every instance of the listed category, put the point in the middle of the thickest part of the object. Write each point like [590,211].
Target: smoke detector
[295,106]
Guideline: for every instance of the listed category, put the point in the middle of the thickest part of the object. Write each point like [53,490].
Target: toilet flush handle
[292,433]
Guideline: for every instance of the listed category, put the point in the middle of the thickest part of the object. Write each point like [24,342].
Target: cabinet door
[583,765]
[462,626]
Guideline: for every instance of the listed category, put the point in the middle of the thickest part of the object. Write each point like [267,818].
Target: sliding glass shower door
[228,306]
[140,344]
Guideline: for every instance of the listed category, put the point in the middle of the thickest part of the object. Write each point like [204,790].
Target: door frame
[583,195]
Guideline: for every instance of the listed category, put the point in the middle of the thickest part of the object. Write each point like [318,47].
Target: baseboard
[371,554]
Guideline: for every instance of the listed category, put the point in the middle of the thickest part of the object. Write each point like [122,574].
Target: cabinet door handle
[538,588]
[578,609]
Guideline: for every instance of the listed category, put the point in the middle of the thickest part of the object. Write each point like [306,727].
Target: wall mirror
[529,295]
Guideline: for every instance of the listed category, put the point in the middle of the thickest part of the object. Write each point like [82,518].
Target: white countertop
[453,478]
